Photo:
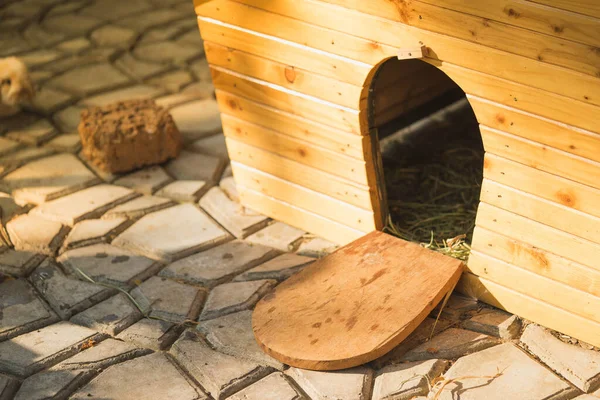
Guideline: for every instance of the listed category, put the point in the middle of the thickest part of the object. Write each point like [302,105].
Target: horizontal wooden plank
[539,235]
[300,174]
[307,199]
[297,217]
[546,212]
[587,7]
[294,149]
[290,53]
[543,184]
[447,20]
[292,125]
[532,309]
[539,129]
[536,260]
[284,75]
[540,156]
[371,39]
[286,100]
[536,286]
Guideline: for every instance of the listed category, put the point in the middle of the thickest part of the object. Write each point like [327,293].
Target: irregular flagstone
[78,82]
[53,384]
[48,100]
[19,263]
[191,37]
[107,353]
[70,24]
[349,384]
[219,264]
[232,334]
[105,176]
[279,268]
[274,387]
[175,99]
[18,121]
[229,187]
[9,208]
[133,92]
[108,264]
[35,234]
[115,9]
[278,235]
[184,191]
[172,81]
[48,178]
[457,308]
[586,397]
[201,69]
[152,377]
[34,134]
[8,387]
[39,57]
[316,247]
[227,172]
[110,316]
[139,69]
[219,373]
[202,90]
[34,351]
[74,45]
[194,166]
[167,52]
[20,157]
[65,295]
[37,36]
[68,119]
[138,207]
[213,145]
[21,310]
[113,36]
[85,204]
[145,181]
[579,366]
[404,381]
[233,297]
[197,119]
[94,231]
[172,233]
[495,323]
[152,334]
[169,300]
[521,377]
[7,146]
[70,143]
[141,22]
[451,344]
[67,7]
[161,34]
[230,214]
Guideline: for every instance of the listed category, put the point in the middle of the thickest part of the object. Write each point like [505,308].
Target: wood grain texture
[587,7]
[336,313]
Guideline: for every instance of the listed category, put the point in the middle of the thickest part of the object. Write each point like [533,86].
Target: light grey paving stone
[20,157]
[113,36]
[194,166]
[41,76]
[105,176]
[228,186]
[8,387]
[37,36]
[110,316]
[235,296]
[172,81]
[48,100]
[138,207]
[21,310]
[175,99]
[35,234]
[87,58]
[230,214]
[9,208]
[74,45]
[349,384]
[160,34]
[316,247]
[167,52]
[451,344]
[69,7]
[108,264]
[220,374]
[184,191]
[495,323]
[191,37]
[274,387]
[169,300]
[232,334]
[202,89]
[141,22]
[115,9]
[172,233]
[138,69]
[70,24]
[522,378]
[279,268]
[34,134]
[78,82]
[19,263]
[457,308]
[152,334]
[29,353]
[152,377]
[102,355]
[129,93]
[579,366]
[278,235]
[145,181]
[586,397]
[404,381]
[219,264]
[66,296]
[70,143]
[85,204]
[197,119]
[8,146]
[48,178]
[40,57]
[68,119]
[53,384]
[94,231]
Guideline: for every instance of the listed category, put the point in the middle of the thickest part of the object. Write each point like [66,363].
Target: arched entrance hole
[431,154]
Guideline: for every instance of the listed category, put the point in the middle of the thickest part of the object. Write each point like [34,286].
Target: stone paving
[141,286]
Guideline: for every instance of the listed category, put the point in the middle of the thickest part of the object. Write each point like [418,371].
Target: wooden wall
[292,80]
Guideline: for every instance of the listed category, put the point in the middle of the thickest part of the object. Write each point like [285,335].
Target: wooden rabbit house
[294,83]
